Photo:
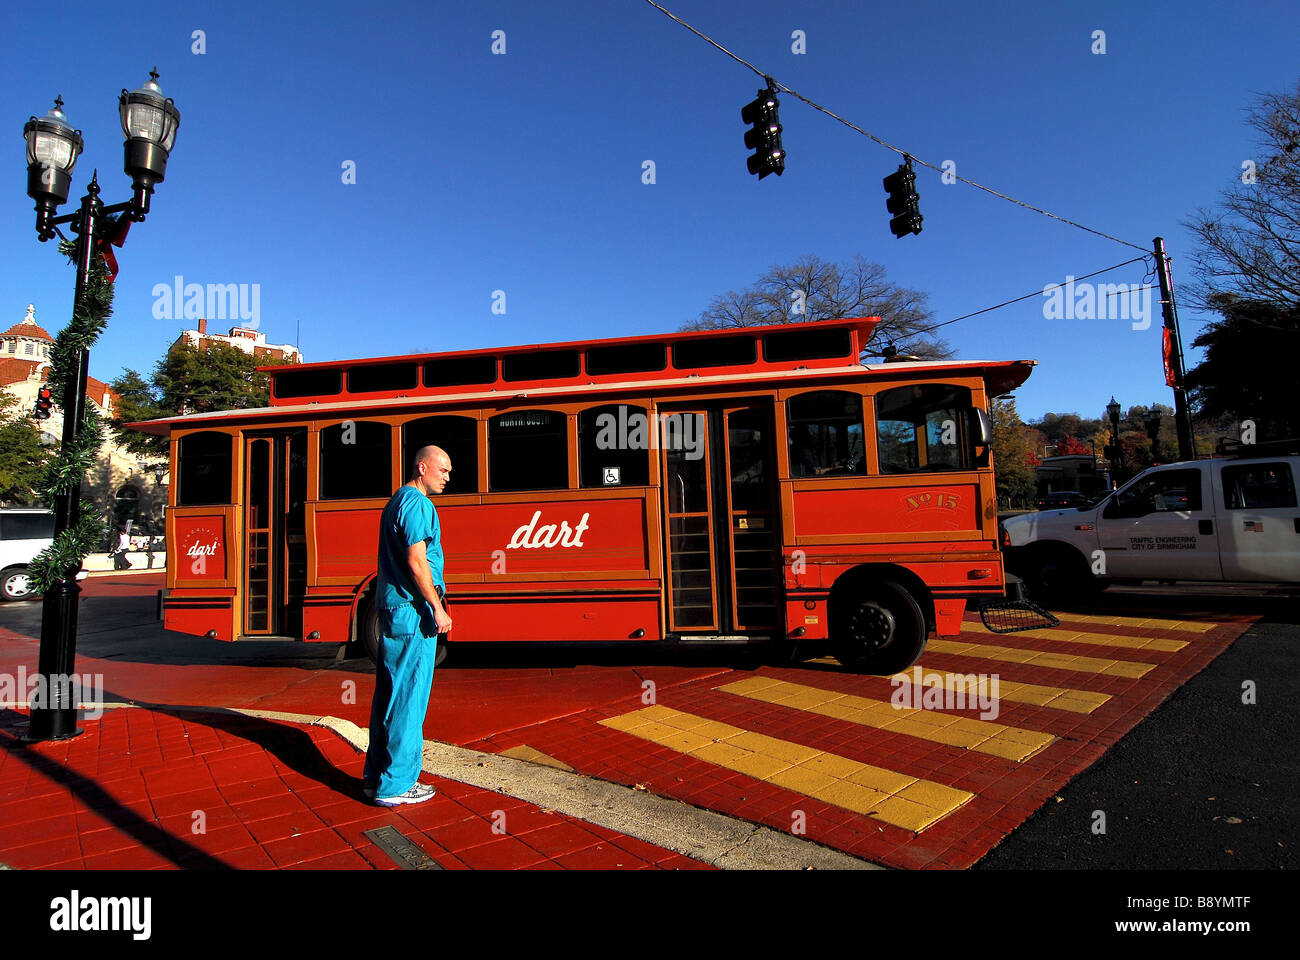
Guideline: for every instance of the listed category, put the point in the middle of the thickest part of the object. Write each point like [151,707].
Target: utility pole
[1175,369]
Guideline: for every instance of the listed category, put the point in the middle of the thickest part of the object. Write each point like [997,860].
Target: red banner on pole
[1167,349]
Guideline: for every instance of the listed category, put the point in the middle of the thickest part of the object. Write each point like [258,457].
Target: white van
[1232,519]
[24,532]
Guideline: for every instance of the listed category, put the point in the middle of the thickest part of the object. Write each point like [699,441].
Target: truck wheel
[1060,575]
[879,628]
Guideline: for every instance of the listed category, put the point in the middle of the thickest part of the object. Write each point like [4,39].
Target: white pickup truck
[1232,519]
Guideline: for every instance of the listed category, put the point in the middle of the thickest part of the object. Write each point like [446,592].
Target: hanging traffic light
[44,402]
[903,200]
[765,137]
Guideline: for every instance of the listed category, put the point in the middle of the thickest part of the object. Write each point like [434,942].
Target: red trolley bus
[758,483]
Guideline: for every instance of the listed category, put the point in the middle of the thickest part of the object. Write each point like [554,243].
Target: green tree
[1013,455]
[189,379]
[813,289]
[1248,372]
[22,455]
[137,401]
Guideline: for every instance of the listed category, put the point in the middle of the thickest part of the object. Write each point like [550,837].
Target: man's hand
[419,564]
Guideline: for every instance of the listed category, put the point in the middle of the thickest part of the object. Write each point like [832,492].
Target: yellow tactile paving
[886,795]
[1144,623]
[1038,695]
[995,739]
[1063,635]
[1036,658]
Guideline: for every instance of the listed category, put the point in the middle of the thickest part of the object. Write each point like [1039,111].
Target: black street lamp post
[1116,455]
[1152,422]
[149,123]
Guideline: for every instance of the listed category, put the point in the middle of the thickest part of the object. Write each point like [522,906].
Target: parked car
[1233,519]
[24,532]
[1061,499]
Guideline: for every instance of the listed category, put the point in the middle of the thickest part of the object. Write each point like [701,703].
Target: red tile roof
[15,370]
[27,330]
[97,389]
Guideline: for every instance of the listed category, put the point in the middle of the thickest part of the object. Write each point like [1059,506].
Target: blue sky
[522,172]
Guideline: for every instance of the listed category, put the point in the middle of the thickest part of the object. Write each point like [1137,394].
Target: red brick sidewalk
[145,789]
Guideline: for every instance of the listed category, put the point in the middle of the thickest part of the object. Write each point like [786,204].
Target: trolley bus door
[275,541]
[720,506]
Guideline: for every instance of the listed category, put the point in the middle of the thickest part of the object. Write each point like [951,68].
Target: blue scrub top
[408,518]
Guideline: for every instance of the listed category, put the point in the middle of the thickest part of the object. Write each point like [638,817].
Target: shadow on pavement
[85,789]
[293,747]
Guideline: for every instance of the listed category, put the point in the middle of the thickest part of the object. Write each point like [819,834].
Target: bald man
[409,592]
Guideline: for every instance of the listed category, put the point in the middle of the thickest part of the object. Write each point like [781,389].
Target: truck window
[1258,486]
[1162,492]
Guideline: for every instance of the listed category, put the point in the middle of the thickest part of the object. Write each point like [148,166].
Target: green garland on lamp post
[66,471]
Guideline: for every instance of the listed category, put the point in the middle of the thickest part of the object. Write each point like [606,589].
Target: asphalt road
[1205,782]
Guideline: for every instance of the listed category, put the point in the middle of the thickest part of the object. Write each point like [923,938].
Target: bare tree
[813,289]
[1250,244]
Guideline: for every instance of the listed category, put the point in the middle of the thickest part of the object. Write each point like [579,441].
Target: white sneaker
[417,794]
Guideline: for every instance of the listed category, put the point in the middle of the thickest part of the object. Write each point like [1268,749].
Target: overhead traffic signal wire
[885,143]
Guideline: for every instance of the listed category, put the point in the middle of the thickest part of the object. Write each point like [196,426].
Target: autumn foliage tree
[1013,455]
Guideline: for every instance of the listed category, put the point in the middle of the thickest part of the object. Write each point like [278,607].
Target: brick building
[244,338]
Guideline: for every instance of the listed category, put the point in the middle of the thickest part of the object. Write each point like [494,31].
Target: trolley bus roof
[1000,376]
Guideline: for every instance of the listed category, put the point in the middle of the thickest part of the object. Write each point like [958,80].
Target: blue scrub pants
[403,679]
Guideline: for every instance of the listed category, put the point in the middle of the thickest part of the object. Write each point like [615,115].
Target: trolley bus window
[528,450]
[307,383]
[614,446]
[825,434]
[629,358]
[356,459]
[460,372]
[790,345]
[714,352]
[456,435]
[540,365]
[924,428]
[203,468]
[376,377]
